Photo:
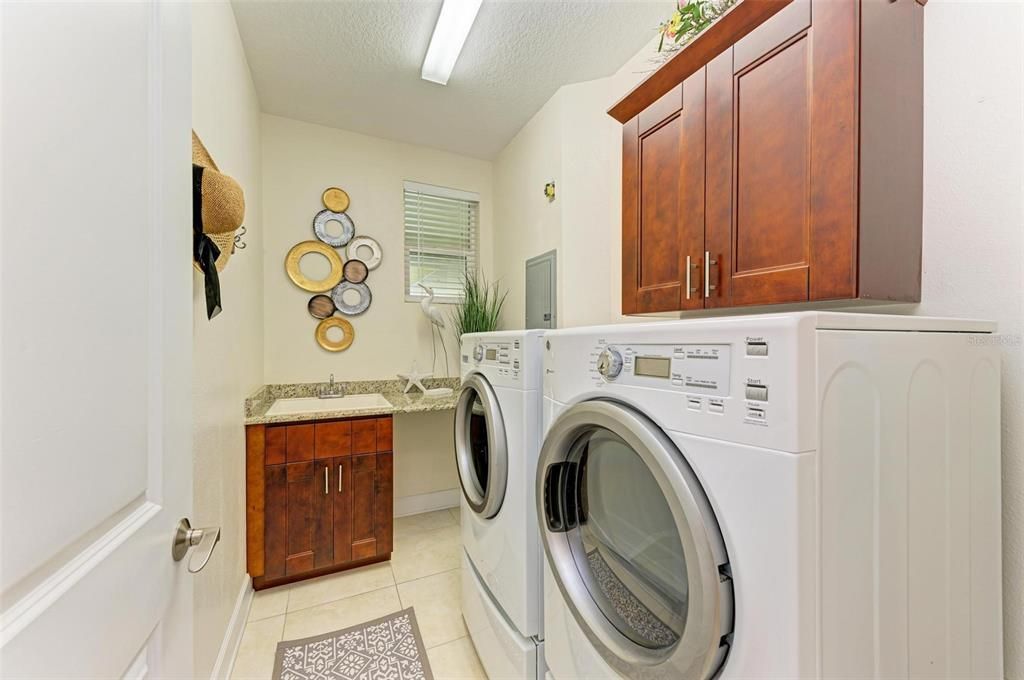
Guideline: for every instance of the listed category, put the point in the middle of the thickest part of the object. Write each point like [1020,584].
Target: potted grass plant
[479,310]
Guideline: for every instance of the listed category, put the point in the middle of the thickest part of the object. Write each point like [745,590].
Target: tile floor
[424,573]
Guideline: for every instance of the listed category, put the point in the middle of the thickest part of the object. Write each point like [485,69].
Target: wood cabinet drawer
[333,439]
[384,434]
[275,441]
[299,443]
[364,435]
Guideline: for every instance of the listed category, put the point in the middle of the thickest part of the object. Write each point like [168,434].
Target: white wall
[228,351]
[974,225]
[973,215]
[300,160]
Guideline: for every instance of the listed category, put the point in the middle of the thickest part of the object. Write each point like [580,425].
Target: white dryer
[801,495]
[497,441]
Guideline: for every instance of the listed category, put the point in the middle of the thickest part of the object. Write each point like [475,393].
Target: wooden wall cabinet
[319,497]
[787,169]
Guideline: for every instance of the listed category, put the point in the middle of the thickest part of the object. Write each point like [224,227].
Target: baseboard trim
[233,635]
[425,502]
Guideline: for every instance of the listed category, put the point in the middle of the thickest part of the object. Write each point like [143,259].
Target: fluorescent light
[450,32]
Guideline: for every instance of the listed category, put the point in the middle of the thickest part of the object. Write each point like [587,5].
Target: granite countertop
[257,405]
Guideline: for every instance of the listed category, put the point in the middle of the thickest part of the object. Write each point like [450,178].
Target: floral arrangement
[690,18]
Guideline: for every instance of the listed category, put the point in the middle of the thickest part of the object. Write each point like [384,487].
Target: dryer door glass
[628,550]
[633,544]
[480,447]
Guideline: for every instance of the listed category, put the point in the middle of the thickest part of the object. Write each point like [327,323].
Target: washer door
[480,446]
[632,541]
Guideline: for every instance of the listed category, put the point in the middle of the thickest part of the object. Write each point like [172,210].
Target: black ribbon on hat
[204,250]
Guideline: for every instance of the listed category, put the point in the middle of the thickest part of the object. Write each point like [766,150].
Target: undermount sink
[351,402]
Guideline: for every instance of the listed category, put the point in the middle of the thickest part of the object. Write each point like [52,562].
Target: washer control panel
[506,357]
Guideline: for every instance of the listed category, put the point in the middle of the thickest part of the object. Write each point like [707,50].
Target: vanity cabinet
[786,169]
[319,497]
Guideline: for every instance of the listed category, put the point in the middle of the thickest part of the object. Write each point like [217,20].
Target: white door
[95,338]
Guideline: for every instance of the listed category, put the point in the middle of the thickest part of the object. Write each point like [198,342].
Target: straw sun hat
[218,208]
[223,203]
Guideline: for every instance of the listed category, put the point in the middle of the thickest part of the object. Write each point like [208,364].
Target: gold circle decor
[300,250]
[335,322]
[335,199]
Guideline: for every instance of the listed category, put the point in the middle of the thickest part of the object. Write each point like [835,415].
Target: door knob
[203,540]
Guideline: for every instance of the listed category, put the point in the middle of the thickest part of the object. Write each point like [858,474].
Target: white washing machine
[801,495]
[497,441]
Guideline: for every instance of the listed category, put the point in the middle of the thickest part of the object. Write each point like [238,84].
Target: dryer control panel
[699,368]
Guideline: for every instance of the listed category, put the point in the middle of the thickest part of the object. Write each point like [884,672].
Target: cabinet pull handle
[327,484]
[708,287]
[339,477]
[687,277]
[690,265]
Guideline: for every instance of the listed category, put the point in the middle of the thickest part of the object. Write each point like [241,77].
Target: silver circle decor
[338,295]
[348,228]
[358,242]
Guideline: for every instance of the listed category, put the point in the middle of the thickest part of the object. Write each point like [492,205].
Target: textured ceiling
[356,64]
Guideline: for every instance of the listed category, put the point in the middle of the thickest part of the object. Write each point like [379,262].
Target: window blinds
[440,240]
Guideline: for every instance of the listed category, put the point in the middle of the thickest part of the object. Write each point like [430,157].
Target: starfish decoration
[414,379]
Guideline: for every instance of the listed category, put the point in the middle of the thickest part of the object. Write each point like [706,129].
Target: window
[440,240]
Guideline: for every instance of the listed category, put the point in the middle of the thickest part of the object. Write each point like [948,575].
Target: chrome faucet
[333,390]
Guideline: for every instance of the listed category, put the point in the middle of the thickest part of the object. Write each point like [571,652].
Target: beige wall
[424,457]
[573,141]
[973,215]
[300,160]
[526,224]
[228,351]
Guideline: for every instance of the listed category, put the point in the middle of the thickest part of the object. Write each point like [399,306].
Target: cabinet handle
[708,287]
[687,277]
[690,288]
[327,484]
[339,477]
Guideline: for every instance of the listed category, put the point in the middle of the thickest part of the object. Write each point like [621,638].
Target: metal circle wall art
[348,228]
[300,250]
[348,308]
[358,242]
[355,271]
[347,274]
[335,199]
[348,334]
[321,306]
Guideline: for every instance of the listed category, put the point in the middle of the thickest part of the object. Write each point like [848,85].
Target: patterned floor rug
[389,648]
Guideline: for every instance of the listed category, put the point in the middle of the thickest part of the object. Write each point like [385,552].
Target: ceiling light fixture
[450,32]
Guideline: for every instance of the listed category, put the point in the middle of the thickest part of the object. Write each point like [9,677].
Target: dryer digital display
[653,367]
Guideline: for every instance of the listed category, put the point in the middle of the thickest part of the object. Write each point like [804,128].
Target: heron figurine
[437,322]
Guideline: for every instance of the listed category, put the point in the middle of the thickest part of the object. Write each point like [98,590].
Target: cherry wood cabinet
[319,497]
[787,169]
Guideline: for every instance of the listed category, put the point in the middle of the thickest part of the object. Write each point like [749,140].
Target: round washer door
[631,539]
[481,452]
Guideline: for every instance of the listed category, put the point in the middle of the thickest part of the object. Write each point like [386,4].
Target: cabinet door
[663,158]
[781,159]
[383,503]
[364,496]
[343,504]
[298,518]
